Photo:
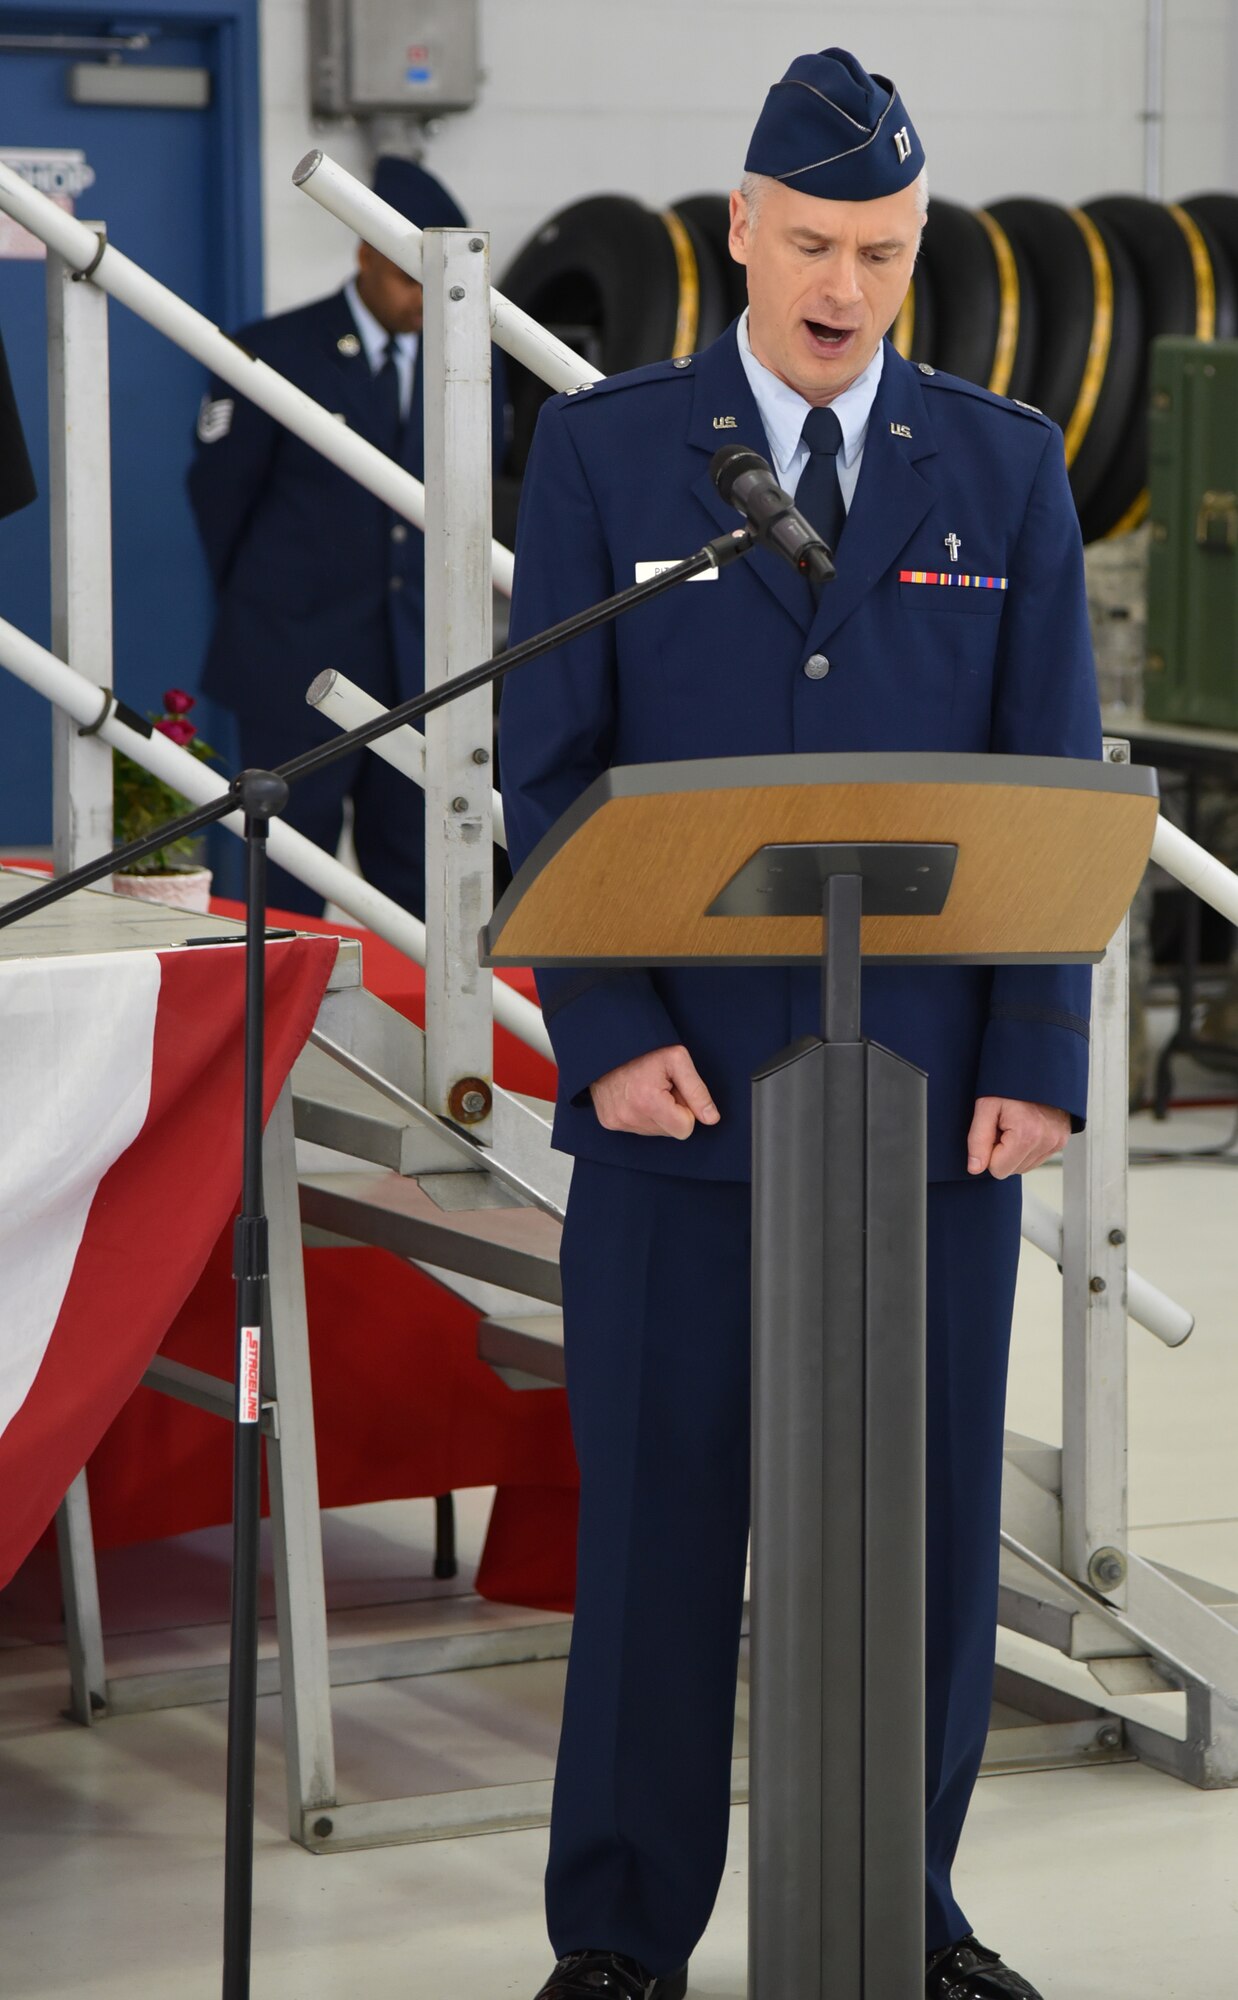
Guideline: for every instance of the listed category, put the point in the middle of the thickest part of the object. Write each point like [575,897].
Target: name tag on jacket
[646,571]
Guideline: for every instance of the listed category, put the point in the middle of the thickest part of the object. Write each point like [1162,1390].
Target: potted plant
[141,802]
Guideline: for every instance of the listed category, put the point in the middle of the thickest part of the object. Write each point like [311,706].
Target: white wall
[656,98]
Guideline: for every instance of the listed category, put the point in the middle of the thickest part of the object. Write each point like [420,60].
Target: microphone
[746,482]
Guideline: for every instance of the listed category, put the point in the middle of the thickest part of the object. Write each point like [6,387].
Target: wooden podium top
[1050,853]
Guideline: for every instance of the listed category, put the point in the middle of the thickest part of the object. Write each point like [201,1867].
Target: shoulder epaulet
[934,378]
[631,378]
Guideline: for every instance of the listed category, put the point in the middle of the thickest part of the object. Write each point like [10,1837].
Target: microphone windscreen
[730,462]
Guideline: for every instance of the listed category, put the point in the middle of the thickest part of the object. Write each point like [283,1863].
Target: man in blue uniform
[913,476]
[312,571]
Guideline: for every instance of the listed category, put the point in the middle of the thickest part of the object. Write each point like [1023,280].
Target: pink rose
[178,729]
[177,702]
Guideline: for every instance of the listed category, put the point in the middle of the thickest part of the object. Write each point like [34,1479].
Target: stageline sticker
[251,1356]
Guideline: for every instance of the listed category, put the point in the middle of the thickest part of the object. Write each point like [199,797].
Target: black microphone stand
[260,796]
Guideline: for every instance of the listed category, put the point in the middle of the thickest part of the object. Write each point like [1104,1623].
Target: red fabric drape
[403,1407]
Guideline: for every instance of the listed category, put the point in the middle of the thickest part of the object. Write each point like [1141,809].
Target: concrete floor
[1110,1881]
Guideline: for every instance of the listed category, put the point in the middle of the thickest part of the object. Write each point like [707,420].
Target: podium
[929,859]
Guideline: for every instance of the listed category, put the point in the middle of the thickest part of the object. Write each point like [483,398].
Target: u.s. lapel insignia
[726,423]
[900,430]
[953,543]
[348,344]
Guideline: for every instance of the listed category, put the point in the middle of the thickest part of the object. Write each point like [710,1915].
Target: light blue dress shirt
[374,338]
[783,409]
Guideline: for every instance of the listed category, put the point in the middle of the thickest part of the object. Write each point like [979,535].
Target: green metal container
[1191,675]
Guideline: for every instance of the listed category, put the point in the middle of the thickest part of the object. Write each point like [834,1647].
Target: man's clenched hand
[1010,1137]
[659,1096]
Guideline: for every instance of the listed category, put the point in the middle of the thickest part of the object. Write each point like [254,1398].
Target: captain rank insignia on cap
[828,128]
[348,344]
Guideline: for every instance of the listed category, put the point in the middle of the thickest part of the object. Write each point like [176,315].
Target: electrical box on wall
[415,56]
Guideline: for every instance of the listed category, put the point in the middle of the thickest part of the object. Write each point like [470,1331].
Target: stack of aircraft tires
[1056,306]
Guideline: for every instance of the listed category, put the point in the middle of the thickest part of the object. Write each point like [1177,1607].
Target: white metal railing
[85,251]
[1145,1302]
[1195,868]
[348,706]
[78,250]
[83,699]
[360,209]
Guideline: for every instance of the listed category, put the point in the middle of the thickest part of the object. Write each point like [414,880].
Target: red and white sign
[120,1093]
[60,175]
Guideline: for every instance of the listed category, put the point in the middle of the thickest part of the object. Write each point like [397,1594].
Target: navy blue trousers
[656,1289]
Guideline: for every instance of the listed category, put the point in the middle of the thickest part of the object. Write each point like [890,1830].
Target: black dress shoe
[604,1975]
[969,1971]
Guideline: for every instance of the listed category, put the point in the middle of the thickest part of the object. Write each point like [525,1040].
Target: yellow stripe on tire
[688,317]
[1007,342]
[903,331]
[1205,281]
[1205,329]
[1102,335]
[1134,517]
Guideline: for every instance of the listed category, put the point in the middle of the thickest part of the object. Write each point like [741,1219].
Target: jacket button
[399,533]
[395,583]
[816,666]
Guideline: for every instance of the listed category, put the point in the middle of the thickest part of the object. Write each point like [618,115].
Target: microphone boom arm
[714,555]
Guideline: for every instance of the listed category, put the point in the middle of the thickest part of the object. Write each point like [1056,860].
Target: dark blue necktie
[387,398]
[819,496]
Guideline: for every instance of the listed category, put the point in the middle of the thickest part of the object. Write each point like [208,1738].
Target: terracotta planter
[189,889]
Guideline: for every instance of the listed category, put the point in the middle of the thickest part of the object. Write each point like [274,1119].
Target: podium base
[837,1712]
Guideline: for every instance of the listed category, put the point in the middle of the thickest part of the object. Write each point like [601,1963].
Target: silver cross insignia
[726,423]
[953,543]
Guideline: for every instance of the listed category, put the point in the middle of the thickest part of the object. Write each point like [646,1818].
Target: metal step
[332,1107]
[387,1052]
[1029,1603]
[525,1349]
[1037,1728]
[513,1246]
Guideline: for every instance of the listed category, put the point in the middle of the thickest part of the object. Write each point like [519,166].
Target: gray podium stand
[777,861]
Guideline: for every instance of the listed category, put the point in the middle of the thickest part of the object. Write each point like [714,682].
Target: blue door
[178,190]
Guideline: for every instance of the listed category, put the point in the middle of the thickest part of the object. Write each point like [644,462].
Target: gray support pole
[1153,113]
[292,1471]
[459,738]
[1094,1271]
[837,1701]
[81,548]
[83,1620]
[81,557]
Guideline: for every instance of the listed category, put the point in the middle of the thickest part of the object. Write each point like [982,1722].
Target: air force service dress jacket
[743,663]
[310,569]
